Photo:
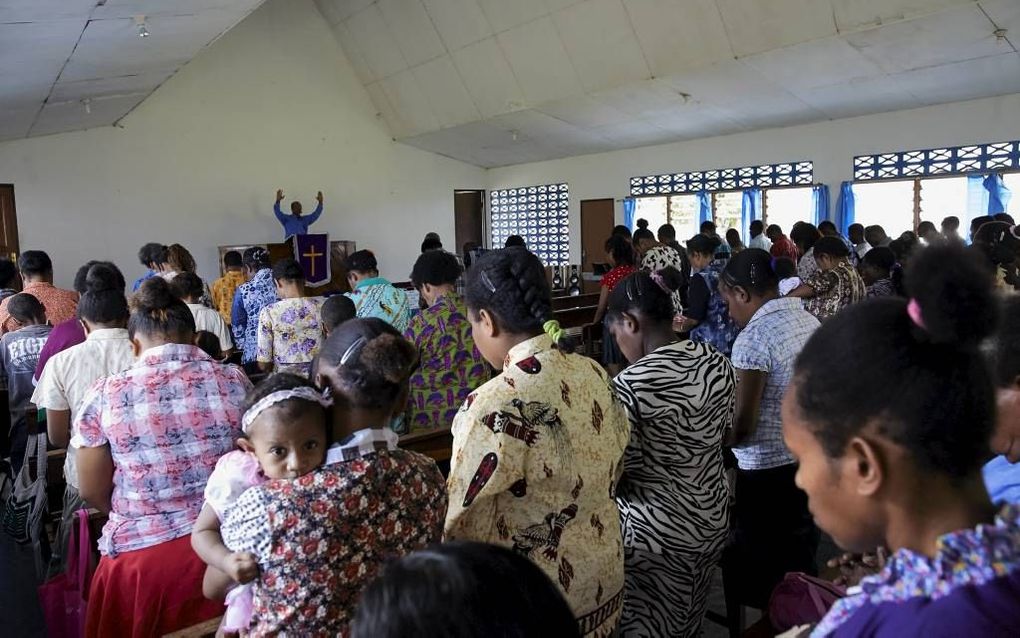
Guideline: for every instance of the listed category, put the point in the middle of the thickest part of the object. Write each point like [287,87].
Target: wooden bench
[435,444]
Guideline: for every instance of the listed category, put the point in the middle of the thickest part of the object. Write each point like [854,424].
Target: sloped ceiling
[74,64]
[499,82]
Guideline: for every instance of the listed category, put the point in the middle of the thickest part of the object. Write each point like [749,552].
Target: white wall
[830,145]
[271,104]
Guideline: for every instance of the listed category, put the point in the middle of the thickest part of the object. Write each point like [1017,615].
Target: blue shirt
[1002,480]
[770,343]
[138,282]
[294,225]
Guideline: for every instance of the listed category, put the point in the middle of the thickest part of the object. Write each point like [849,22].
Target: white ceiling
[56,54]
[498,82]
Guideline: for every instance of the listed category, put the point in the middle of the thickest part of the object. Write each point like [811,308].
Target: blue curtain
[704,207]
[845,208]
[977,199]
[998,194]
[820,203]
[629,206]
[750,210]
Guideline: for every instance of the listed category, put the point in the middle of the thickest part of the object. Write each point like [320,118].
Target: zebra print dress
[673,497]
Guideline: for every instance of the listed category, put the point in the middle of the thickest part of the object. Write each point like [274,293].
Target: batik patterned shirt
[321,538]
[451,366]
[716,327]
[971,587]
[167,420]
[223,290]
[537,453]
[249,300]
[290,334]
[379,298]
[60,305]
[834,290]
[663,256]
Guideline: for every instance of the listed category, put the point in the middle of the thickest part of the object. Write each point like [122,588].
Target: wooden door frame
[16,243]
[612,202]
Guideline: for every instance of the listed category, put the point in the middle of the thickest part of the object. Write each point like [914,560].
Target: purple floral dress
[290,334]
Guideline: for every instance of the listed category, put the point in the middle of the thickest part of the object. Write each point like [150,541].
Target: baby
[285,436]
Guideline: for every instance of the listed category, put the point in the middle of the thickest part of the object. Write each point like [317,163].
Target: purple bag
[801,600]
[63,597]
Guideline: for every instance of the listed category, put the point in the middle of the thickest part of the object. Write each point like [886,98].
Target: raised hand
[279,194]
[319,197]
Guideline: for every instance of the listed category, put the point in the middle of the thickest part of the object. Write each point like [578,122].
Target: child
[834,285]
[19,354]
[786,270]
[621,255]
[290,334]
[285,437]
[892,457]
[223,289]
[209,344]
[189,288]
[335,311]
[881,274]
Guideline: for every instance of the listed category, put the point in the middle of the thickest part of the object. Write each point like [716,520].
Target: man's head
[295,207]
[828,229]
[667,233]
[26,310]
[875,235]
[977,223]
[774,232]
[708,228]
[35,265]
[927,232]
[856,232]
[756,228]
[232,260]
[951,224]
[336,310]
[151,255]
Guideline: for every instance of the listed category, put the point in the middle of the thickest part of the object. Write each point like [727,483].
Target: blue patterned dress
[249,300]
[717,329]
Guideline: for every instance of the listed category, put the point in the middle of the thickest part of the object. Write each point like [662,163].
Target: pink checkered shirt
[167,420]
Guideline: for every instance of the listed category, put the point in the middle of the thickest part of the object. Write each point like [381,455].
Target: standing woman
[537,451]
[249,300]
[290,330]
[451,366]
[773,530]
[621,253]
[673,497]
[147,440]
[706,316]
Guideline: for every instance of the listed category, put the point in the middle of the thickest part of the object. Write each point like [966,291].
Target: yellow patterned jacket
[537,453]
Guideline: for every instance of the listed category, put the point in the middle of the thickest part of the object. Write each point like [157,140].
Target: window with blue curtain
[819,203]
[750,210]
[998,194]
[704,207]
[629,204]
[845,208]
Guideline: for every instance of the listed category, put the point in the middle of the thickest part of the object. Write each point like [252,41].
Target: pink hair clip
[914,310]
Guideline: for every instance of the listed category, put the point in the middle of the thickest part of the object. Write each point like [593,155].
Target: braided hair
[511,285]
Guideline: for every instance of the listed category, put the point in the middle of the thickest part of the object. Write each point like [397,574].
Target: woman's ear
[630,323]
[866,466]
[136,346]
[488,324]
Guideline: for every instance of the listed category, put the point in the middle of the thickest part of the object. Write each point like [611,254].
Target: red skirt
[149,592]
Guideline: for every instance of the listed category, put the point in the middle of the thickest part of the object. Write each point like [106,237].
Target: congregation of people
[751,400]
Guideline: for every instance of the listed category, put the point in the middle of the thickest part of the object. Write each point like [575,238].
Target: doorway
[598,216]
[9,248]
[469,219]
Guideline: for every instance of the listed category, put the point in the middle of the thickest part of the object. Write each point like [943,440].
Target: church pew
[567,302]
[435,444]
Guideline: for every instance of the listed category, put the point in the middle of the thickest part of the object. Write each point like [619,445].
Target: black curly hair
[288,270]
[156,310]
[436,268]
[372,362]
[511,285]
[622,250]
[103,300]
[926,383]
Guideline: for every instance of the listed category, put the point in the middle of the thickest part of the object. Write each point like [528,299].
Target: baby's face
[289,449]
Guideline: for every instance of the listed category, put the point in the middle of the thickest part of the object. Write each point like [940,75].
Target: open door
[9,248]
[598,216]
[469,224]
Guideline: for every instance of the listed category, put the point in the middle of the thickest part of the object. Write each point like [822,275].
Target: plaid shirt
[770,343]
[167,421]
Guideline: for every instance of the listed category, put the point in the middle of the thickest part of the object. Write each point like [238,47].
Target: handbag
[63,598]
[801,600]
[22,514]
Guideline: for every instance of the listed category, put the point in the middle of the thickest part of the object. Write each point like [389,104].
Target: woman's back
[167,421]
[321,538]
[537,453]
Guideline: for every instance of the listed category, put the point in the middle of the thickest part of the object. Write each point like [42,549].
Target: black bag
[23,509]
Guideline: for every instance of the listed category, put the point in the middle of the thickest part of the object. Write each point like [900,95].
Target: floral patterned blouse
[451,366]
[970,588]
[834,290]
[290,334]
[319,539]
[167,421]
[537,453]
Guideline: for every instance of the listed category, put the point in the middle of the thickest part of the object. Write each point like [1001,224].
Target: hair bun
[102,278]
[955,292]
[154,295]
[642,223]
[387,357]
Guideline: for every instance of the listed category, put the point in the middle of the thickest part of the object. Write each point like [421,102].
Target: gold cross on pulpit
[312,255]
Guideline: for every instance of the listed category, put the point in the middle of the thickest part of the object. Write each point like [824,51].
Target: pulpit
[311,255]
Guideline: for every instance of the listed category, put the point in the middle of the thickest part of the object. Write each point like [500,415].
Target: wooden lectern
[339,250]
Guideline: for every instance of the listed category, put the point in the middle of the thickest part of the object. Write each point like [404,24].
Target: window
[1012,182]
[726,211]
[679,210]
[952,160]
[539,214]
[887,204]
[787,206]
[724,179]
[943,197]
